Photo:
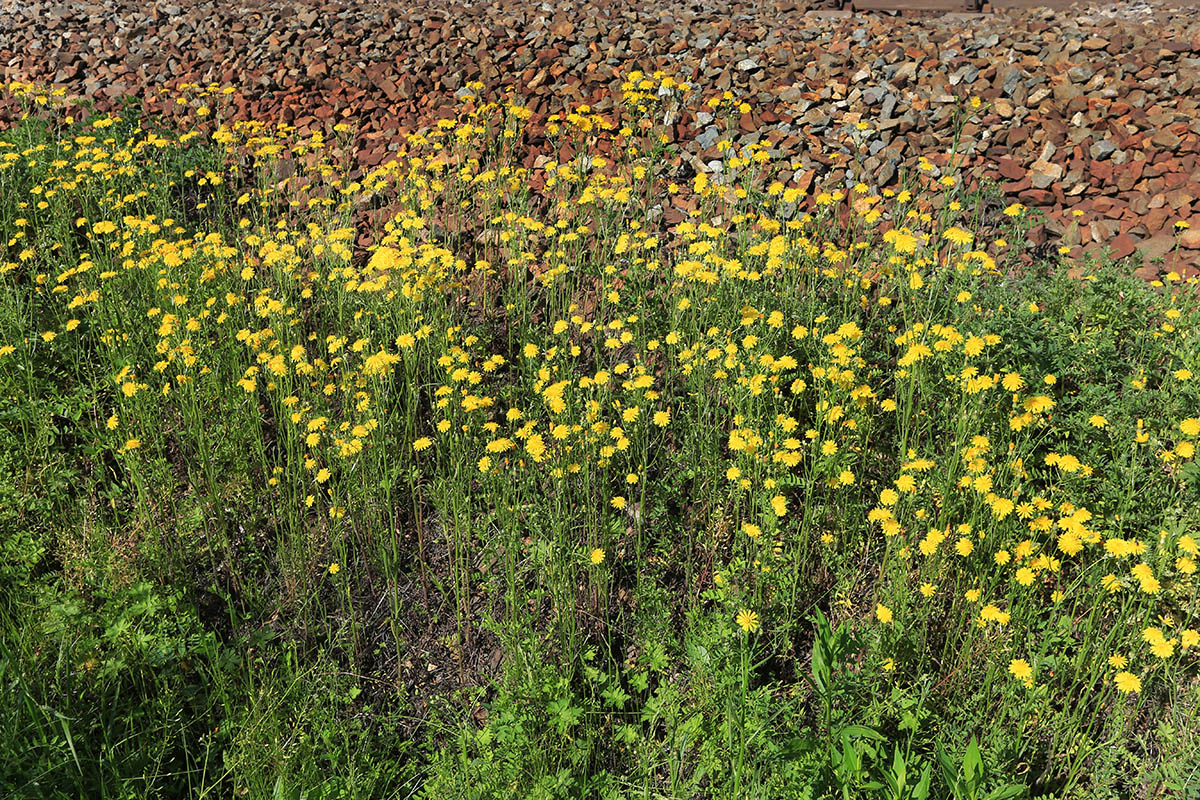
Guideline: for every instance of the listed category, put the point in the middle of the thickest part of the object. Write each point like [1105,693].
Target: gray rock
[1080,73]
[873,95]
[709,137]
[792,94]
[816,120]
[964,74]
[1102,149]
[1011,81]
[889,106]
[904,73]
[887,171]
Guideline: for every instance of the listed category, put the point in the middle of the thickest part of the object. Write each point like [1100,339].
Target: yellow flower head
[1019,668]
[747,620]
[1127,682]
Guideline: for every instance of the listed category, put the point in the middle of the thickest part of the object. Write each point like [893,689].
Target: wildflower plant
[586,451]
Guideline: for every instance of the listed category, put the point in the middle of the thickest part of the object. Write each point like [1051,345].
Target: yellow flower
[958,236]
[1019,668]
[131,444]
[1118,661]
[103,227]
[422,443]
[883,613]
[535,446]
[597,555]
[618,502]
[334,569]
[747,620]
[779,505]
[1163,648]
[1097,421]
[751,530]
[928,589]
[1127,682]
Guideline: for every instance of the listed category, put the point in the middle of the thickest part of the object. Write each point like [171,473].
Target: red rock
[1035,197]
[1100,172]
[1010,169]
[1157,246]
[1122,245]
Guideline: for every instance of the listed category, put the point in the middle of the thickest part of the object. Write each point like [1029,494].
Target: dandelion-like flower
[747,620]
[1127,682]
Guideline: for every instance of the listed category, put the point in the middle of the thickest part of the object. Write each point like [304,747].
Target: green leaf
[972,763]
[862,731]
[66,729]
[899,770]
[948,770]
[921,790]
[822,655]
